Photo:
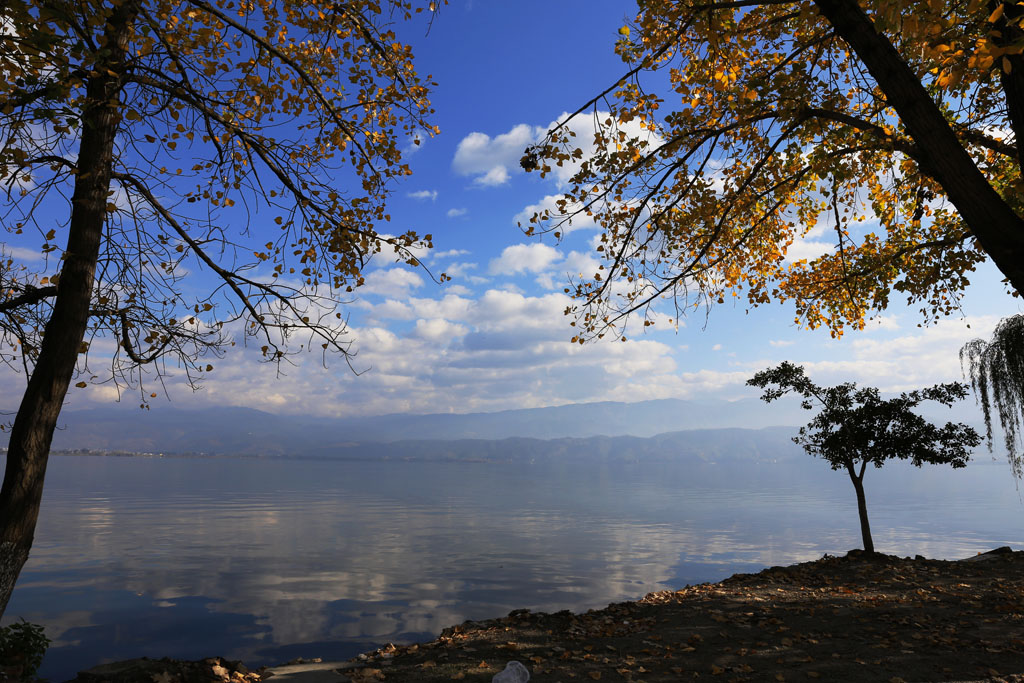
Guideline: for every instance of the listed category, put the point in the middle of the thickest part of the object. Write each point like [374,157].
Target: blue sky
[494,337]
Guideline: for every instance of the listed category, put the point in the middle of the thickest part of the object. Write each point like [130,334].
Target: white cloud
[576,265]
[416,140]
[779,343]
[20,253]
[459,269]
[455,213]
[547,281]
[654,359]
[449,253]
[504,310]
[489,159]
[809,245]
[391,282]
[549,204]
[494,177]
[458,290]
[808,249]
[452,306]
[492,161]
[524,258]
[714,381]
[883,322]
[392,309]
[716,347]
[501,350]
[387,250]
[924,356]
[585,128]
[504,349]
[438,330]
[665,321]
[424,194]
[579,264]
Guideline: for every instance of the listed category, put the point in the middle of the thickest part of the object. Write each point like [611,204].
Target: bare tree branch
[31,295]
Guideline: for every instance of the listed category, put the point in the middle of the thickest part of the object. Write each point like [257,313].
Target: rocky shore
[853,618]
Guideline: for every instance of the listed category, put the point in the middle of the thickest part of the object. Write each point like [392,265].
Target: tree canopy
[831,153]
[254,141]
[857,427]
[198,172]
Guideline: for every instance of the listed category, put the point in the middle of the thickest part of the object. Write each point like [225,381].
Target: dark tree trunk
[34,423]
[1013,81]
[999,230]
[862,511]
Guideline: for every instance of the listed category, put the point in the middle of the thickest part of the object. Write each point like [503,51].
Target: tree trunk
[999,230]
[862,510]
[36,419]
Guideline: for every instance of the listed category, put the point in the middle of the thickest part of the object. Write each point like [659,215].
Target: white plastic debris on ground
[514,673]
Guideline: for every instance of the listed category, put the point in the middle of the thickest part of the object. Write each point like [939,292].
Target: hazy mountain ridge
[770,445]
[607,430]
[248,431]
[707,446]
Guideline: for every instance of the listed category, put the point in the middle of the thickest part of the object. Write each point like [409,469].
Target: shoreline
[850,618]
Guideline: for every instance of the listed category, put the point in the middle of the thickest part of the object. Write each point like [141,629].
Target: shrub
[22,646]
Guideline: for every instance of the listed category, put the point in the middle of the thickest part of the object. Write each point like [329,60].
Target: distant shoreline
[256,456]
[442,452]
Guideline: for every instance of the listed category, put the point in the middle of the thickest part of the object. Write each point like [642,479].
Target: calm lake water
[265,560]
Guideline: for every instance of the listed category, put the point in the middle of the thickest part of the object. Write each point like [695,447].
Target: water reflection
[266,560]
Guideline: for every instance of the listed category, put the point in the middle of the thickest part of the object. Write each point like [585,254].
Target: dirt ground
[851,618]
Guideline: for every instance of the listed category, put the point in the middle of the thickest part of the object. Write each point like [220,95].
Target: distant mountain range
[526,432]
[770,445]
[243,431]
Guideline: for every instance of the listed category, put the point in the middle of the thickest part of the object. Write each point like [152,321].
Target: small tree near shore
[857,427]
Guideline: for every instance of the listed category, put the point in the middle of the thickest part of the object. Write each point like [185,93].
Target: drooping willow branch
[995,369]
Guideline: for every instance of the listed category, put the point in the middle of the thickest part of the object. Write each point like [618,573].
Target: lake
[265,559]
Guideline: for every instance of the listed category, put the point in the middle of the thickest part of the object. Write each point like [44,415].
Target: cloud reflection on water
[252,559]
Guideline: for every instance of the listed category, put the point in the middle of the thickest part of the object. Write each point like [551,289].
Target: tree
[857,427]
[248,146]
[892,125]
[996,371]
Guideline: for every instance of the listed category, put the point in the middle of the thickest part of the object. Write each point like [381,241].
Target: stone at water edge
[991,554]
[166,670]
